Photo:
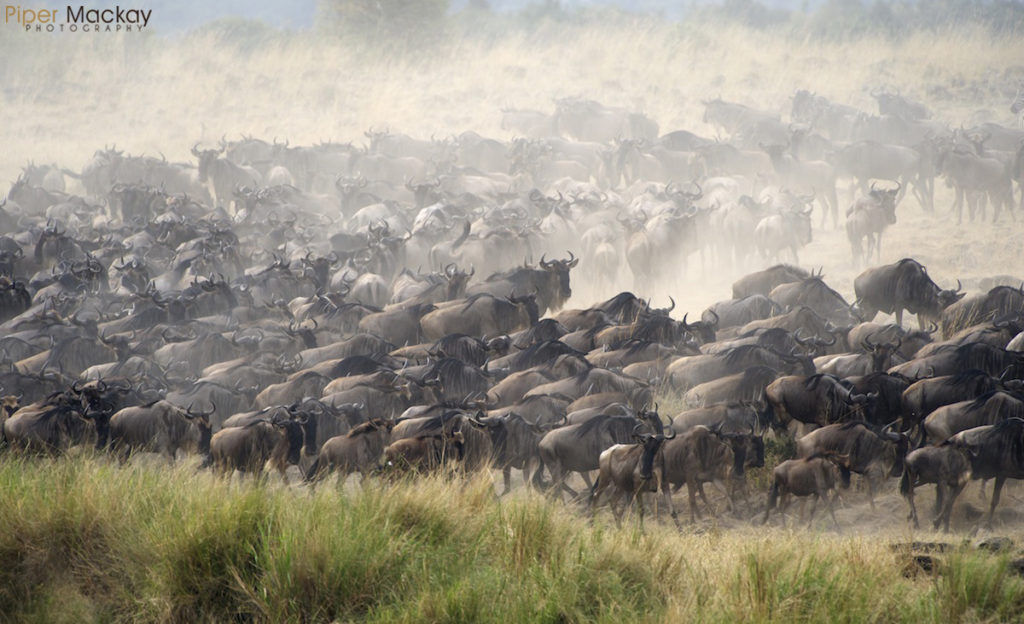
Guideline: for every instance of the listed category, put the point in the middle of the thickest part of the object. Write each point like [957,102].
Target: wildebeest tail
[844,476]
[313,472]
[905,482]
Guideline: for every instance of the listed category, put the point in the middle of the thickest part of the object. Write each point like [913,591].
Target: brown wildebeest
[248,448]
[813,476]
[359,450]
[633,469]
[159,427]
[947,466]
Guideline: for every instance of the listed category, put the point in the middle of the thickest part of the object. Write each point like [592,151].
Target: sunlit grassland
[86,540]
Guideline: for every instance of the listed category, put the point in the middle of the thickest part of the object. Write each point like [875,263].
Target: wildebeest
[687,372]
[550,283]
[248,448]
[707,454]
[732,417]
[876,454]
[633,469]
[814,293]
[924,396]
[763,282]
[425,452]
[995,452]
[903,285]
[818,399]
[515,443]
[49,426]
[359,450]
[577,448]
[811,476]
[159,428]
[945,465]
[868,218]
[953,359]
[1000,302]
[790,229]
[481,315]
[987,409]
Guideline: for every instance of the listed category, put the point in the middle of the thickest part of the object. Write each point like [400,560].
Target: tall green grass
[85,540]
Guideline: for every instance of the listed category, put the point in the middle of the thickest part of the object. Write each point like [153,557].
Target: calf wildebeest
[995,452]
[706,454]
[359,450]
[425,452]
[868,218]
[159,427]
[811,476]
[873,453]
[248,448]
[903,285]
[633,469]
[947,466]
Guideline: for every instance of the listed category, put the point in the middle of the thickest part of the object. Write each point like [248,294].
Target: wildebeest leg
[909,495]
[783,505]
[954,491]
[691,492]
[586,478]
[704,497]
[941,491]
[831,501]
[669,504]
[814,509]
[506,477]
[595,495]
[996,491]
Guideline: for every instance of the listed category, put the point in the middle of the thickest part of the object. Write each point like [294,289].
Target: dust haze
[65,96]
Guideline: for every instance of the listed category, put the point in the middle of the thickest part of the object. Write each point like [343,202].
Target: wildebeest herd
[378,309]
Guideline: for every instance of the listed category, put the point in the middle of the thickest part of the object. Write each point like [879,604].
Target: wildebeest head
[650,443]
[293,437]
[950,296]
[561,269]
[206,159]
[886,201]
[881,353]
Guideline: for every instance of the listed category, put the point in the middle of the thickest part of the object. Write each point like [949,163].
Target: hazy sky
[171,16]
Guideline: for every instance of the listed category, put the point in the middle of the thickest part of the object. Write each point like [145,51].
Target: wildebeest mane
[622,307]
